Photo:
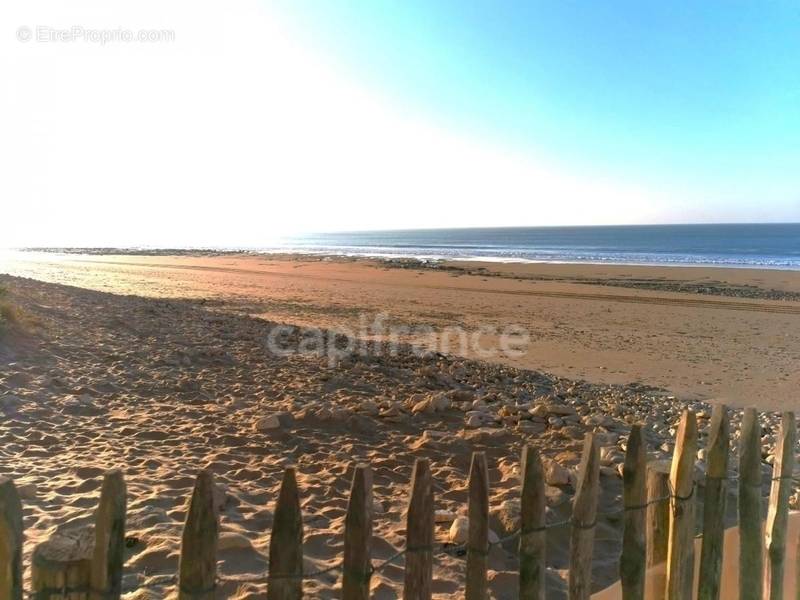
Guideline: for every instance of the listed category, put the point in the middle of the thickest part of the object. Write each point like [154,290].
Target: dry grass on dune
[11,315]
[8,312]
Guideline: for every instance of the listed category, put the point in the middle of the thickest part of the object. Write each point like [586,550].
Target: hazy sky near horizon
[263,118]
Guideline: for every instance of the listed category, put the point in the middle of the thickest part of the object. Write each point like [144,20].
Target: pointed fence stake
[751,533]
[778,513]
[680,553]
[285,578]
[357,568]
[109,546]
[714,505]
[584,521]
[657,535]
[532,573]
[478,541]
[11,534]
[197,569]
[419,535]
[634,546]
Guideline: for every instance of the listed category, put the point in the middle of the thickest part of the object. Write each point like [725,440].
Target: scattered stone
[369,407]
[445,516]
[459,530]
[555,474]
[267,423]
[509,514]
[531,427]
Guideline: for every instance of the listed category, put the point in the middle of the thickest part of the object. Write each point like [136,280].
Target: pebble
[459,530]
[555,474]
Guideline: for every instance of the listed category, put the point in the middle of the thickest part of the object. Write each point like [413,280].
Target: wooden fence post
[532,573]
[680,552]
[751,559]
[584,521]
[285,578]
[11,534]
[714,505]
[478,537]
[778,513]
[197,569]
[109,533]
[634,546]
[657,535]
[797,570]
[419,535]
[357,568]
[61,565]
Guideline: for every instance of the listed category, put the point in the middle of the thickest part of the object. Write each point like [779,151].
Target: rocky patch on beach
[657,284]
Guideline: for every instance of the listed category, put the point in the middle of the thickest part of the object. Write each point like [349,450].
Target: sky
[240,122]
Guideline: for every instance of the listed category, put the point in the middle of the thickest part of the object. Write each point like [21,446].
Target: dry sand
[716,345]
[161,388]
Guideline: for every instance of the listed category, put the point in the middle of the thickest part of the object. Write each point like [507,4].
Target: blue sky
[261,118]
[701,92]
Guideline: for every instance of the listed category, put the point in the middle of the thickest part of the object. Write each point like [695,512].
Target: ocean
[731,245]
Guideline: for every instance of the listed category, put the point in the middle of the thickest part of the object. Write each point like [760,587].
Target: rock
[391,412]
[369,407]
[554,496]
[377,507]
[439,403]
[479,405]
[444,516]
[573,432]
[415,399]
[423,406]
[459,530]
[461,395]
[434,434]
[561,409]
[474,421]
[531,427]
[267,423]
[555,474]
[540,410]
[509,514]
[610,455]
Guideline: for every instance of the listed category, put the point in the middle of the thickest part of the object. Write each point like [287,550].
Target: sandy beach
[728,335]
[158,365]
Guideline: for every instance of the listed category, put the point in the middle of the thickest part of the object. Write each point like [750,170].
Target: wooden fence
[658,520]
